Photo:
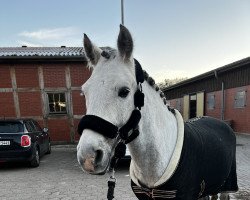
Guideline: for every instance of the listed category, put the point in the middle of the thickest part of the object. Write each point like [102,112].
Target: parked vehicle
[23,140]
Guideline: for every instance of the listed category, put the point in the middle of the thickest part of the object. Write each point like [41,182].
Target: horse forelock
[108,52]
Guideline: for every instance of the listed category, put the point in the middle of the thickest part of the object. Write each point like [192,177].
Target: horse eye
[123,92]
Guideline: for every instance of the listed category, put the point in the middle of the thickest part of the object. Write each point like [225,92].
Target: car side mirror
[45,130]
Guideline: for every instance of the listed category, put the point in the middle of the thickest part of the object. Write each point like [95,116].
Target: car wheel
[36,160]
[49,148]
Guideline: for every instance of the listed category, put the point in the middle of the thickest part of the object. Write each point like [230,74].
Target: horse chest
[205,164]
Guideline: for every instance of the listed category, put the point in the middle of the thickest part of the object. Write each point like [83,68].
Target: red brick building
[44,84]
[223,93]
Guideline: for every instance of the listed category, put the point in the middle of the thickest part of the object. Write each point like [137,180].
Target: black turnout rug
[207,164]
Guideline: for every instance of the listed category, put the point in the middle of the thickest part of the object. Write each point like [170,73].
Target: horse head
[109,94]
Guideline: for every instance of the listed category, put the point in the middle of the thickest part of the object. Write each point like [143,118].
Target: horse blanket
[207,164]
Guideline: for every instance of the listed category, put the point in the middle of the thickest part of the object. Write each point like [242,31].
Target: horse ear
[93,52]
[125,43]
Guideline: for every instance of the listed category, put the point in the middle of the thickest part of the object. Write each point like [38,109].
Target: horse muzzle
[93,162]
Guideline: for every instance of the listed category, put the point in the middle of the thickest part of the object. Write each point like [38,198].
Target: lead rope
[120,151]
[111,185]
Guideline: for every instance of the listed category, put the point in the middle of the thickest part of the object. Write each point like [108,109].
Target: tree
[168,82]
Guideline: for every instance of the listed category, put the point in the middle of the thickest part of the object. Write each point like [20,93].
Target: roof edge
[31,59]
[217,71]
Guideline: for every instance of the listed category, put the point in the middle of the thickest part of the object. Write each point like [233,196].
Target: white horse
[157,152]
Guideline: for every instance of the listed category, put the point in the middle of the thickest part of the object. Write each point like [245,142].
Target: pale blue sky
[172,38]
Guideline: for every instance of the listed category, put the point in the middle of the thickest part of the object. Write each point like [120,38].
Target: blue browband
[108,129]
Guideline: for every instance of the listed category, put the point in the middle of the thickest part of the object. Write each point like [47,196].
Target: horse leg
[224,196]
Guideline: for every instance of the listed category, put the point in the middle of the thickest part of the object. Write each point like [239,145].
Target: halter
[109,130]
[124,135]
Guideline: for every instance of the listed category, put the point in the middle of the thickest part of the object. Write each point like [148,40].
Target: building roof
[215,73]
[42,53]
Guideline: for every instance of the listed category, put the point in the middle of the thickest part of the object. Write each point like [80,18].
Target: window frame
[210,105]
[243,98]
[48,103]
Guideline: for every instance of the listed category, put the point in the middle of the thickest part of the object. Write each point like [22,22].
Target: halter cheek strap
[132,124]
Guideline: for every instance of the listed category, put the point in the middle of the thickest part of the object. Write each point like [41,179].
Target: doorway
[193,106]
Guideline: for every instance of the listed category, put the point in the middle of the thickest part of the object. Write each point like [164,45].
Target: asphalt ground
[59,177]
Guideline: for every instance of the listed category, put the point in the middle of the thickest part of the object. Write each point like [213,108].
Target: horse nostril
[99,156]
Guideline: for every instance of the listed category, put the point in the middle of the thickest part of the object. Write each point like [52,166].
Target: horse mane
[152,83]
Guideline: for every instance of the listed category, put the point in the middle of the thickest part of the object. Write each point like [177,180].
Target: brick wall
[30,104]
[7,108]
[59,129]
[79,74]
[173,103]
[54,75]
[27,76]
[30,96]
[5,81]
[76,122]
[79,106]
[240,117]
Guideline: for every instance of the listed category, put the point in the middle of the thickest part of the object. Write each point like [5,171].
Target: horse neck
[152,150]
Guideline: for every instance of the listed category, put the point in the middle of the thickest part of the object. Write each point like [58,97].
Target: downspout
[222,101]
[222,96]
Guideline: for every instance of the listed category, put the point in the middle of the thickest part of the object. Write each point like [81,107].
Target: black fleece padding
[138,72]
[99,125]
[108,129]
[132,123]
[134,135]
[139,99]
[207,165]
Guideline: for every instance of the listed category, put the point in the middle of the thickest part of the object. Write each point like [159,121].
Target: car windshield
[11,127]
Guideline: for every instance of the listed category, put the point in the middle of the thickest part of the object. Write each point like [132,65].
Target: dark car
[23,140]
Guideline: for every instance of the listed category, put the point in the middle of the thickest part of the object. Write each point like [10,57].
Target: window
[10,127]
[29,126]
[210,101]
[240,99]
[57,103]
[37,126]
